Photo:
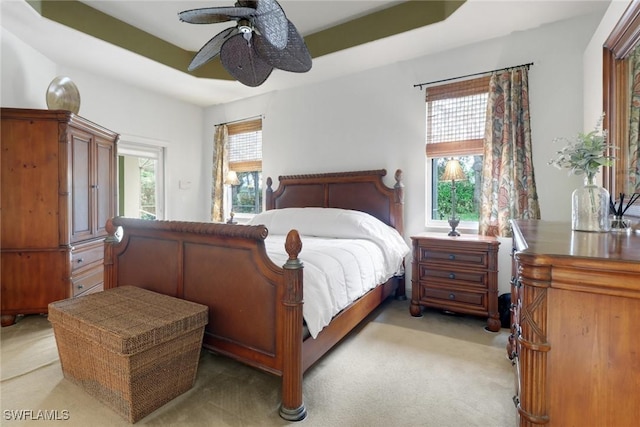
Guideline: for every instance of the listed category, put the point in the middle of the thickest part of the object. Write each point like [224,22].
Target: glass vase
[619,224]
[590,207]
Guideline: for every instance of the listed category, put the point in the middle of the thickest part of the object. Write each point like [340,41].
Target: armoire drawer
[87,280]
[82,256]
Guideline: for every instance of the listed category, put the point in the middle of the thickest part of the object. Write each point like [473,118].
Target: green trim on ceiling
[387,22]
[395,19]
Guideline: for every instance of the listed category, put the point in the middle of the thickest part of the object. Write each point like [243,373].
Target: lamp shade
[453,171]
[232,178]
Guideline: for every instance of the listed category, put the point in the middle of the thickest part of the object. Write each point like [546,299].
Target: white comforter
[345,254]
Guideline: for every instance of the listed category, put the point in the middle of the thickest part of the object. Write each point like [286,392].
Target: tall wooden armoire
[59,181]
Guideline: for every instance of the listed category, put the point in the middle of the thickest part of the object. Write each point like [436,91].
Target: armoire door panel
[81,187]
[105,202]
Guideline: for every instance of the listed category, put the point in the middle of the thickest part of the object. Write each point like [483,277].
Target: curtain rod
[261,116]
[472,75]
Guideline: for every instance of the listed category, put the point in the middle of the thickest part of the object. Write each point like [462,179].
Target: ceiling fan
[262,40]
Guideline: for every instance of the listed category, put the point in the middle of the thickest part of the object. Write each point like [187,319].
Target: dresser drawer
[85,255]
[453,257]
[444,297]
[86,280]
[465,278]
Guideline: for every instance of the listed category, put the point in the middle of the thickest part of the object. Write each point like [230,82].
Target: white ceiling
[476,20]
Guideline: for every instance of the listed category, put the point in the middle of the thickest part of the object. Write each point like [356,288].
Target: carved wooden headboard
[362,191]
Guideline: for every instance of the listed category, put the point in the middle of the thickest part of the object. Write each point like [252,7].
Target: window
[245,158]
[456,115]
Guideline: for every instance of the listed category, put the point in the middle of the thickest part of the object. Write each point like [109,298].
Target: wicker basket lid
[128,320]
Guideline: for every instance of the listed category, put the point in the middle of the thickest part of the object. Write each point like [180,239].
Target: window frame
[245,126]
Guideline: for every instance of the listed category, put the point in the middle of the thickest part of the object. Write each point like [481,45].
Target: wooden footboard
[255,306]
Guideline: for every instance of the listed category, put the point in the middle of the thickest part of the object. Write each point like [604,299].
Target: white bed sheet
[336,273]
[345,254]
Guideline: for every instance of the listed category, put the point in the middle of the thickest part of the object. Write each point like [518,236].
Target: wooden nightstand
[457,274]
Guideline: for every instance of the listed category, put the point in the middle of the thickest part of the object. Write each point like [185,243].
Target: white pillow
[335,223]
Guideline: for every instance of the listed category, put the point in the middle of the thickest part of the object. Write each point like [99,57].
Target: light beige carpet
[395,370]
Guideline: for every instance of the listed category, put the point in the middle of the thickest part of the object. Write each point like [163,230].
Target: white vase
[590,207]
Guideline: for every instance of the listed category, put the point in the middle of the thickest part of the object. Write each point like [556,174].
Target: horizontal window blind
[456,116]
[245,146]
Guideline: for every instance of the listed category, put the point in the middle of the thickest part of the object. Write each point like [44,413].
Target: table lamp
[231,180]
[453,172]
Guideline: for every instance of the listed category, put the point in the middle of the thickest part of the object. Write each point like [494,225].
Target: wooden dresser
[575,308]
[58,190]
[457,274]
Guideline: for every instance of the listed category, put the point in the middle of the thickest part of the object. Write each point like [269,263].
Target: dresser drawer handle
[452,296]
[79,260]
[452,275]
[452,256]
[80,286]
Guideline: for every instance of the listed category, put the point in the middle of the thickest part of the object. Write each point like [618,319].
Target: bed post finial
[399,187]
[269,195]
[398,203]
[111,231]
[293,246]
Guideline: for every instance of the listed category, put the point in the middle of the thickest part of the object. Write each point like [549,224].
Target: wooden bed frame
[255,306]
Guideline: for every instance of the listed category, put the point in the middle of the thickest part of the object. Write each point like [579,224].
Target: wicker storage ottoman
[132,349]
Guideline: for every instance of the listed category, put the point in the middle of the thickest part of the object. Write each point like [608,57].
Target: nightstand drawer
[451,257]
[443,297]
[466,278]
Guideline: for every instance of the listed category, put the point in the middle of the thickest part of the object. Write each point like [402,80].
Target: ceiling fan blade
[295,57]
[271,22]
[213,15]
[211,49]
[243,63]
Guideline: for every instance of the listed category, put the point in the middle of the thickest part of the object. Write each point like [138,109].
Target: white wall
[122,108]
[366,121]
[376,119]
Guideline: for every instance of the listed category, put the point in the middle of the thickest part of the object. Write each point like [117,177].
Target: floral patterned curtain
[634,125]
[220,166]
[508,184]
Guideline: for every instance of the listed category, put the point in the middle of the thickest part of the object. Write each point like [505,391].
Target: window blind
[245,146]
[456,116]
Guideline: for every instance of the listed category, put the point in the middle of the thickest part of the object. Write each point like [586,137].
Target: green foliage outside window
[147,188]
[247,196]
[467,191]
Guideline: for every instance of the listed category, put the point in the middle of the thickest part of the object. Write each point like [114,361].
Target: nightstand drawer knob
[452,275]
[452,296]
[452,256]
